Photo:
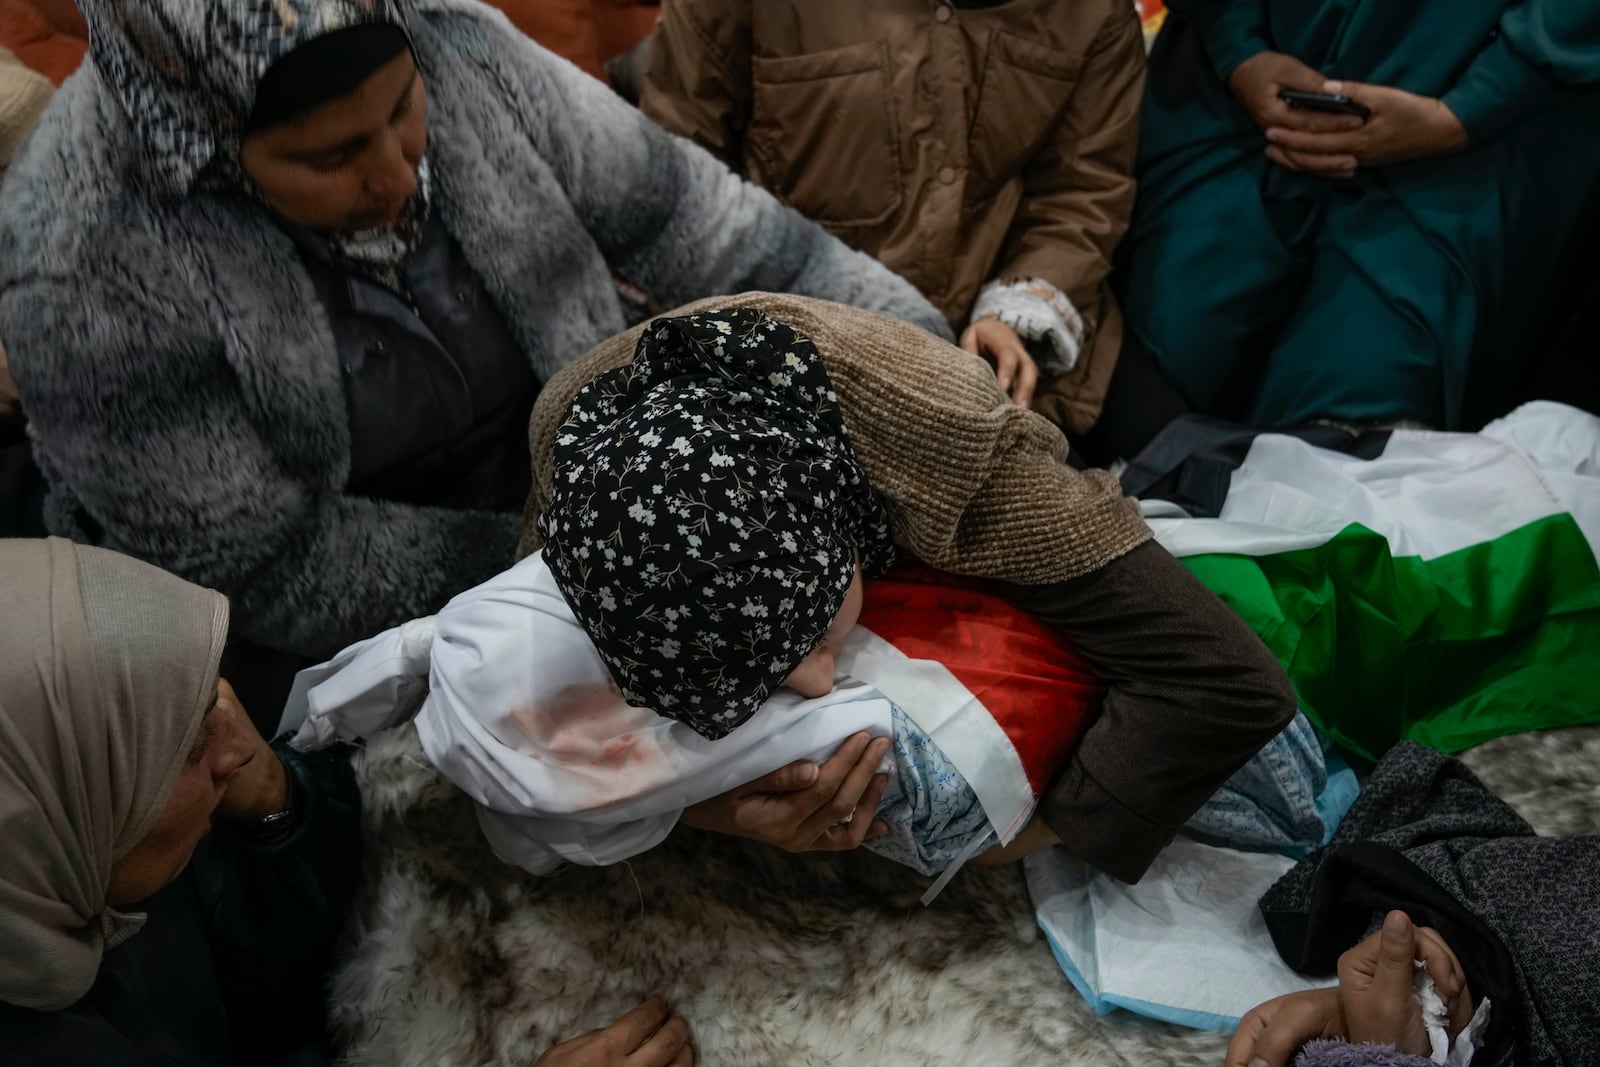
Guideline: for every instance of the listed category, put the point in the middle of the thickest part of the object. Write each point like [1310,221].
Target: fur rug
[776,960]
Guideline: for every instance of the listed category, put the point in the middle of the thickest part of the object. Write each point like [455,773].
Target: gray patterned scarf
[186,72]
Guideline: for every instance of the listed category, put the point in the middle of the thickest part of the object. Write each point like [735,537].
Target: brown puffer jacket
[957,144]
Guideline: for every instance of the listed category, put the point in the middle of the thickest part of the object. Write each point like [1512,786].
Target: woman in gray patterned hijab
[324,253]
[207,83]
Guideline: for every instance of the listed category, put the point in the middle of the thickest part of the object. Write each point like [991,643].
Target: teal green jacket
[1523,76]
[1493,62]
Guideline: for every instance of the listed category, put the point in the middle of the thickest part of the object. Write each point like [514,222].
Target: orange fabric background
[47,35]
[50,37]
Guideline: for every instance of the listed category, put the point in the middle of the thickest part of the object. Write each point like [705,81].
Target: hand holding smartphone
[1327,103]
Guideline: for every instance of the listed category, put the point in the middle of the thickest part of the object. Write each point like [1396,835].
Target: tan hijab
[23,96]
[107,668]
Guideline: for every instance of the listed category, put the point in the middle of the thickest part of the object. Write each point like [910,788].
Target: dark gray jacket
[181,375]
[1521,912]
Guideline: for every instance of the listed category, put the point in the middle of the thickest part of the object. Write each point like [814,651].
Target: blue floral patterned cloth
[933,814]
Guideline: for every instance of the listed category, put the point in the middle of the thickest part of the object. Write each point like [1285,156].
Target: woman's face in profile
[224,743]
[351,163]
[813,676]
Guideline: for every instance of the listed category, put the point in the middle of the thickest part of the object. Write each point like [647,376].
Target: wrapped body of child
[691,623]
[523,715]
[982,702]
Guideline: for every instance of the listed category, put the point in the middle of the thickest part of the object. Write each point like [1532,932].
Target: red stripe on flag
[1025,674]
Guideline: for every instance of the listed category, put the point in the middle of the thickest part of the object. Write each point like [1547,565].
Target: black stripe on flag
[1191,462]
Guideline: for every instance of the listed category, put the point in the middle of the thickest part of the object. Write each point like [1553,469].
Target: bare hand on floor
[651,1035]
[1372,1002]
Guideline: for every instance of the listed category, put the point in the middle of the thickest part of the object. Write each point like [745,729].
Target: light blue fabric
[933,814]
[1105,1004]
[1195,912]
[1288,799]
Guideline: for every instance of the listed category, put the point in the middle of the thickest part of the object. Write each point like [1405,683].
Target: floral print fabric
[708,514]
[932,814]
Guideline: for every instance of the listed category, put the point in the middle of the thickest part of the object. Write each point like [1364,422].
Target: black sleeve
[1193,694]
[1357,884]
[1427,837]
[274,909]
[70,1038]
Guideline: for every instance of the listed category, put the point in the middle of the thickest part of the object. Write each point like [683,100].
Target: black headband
[324,69]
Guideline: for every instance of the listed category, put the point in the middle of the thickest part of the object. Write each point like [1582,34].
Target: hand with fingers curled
[1014,367]
[1372,1003]
[1258,82]
[805,807]
[651,1035]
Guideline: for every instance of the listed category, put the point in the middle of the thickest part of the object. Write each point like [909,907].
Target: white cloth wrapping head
[513,704]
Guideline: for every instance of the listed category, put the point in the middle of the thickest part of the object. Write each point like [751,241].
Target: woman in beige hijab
[129,933]
[119,744]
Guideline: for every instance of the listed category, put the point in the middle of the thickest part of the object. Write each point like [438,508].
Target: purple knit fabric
[1333,1053]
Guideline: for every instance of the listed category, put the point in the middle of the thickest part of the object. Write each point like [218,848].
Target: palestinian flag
[1004,696]
[1441,587]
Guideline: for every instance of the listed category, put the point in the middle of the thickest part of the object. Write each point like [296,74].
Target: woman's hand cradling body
[804,807]
[650,1035]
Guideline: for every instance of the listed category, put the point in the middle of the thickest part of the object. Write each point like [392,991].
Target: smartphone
[1328,103]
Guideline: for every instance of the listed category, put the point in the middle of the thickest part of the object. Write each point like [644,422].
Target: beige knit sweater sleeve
[974,485]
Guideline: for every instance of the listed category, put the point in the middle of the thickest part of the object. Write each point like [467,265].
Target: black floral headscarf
[708,513]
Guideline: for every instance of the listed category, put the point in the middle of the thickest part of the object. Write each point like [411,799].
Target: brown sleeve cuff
[1097,828]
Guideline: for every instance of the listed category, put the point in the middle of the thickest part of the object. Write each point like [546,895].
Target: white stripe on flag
[1565,445]
[953,718]
[1428,494]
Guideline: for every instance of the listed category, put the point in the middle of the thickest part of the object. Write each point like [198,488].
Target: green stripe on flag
[1493,639]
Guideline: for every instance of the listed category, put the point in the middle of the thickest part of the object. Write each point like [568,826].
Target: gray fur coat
[180,373]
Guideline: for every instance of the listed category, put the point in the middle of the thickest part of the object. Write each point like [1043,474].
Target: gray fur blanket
[776,960]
